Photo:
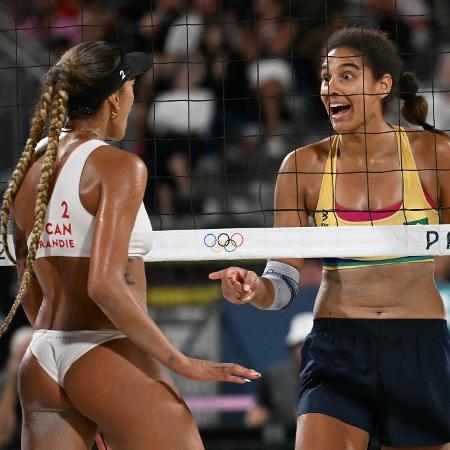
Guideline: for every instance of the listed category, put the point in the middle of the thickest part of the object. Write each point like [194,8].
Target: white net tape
[307,242]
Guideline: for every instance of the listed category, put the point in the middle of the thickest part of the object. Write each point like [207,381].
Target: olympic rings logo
[223,242]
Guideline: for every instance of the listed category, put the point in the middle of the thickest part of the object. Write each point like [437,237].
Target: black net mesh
[235,87]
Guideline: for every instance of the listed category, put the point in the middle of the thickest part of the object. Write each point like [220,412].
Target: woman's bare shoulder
[309,158]
[110,160]
[430,148]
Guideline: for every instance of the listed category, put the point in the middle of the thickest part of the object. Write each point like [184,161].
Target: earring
[114,114]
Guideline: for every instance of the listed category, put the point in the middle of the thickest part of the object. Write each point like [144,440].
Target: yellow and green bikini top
[417,207]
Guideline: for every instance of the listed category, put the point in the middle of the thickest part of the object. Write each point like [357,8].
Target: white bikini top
[68,226]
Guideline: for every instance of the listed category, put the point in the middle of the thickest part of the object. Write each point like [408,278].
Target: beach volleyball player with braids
[378,356]
[80,232]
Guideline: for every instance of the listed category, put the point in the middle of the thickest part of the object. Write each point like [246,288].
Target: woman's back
[79,240]
[64,279]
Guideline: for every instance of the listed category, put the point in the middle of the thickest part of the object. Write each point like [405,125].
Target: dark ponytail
[415,107]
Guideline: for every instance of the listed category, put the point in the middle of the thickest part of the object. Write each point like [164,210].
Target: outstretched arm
[123,177]
[241,286]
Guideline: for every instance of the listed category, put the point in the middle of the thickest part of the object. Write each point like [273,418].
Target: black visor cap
[131,65]
[137,62]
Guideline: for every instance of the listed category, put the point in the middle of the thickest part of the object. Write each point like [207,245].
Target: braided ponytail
[48,168]
[57,119]
[38,124]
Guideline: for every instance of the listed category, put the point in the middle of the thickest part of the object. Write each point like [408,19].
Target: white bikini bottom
[56,351]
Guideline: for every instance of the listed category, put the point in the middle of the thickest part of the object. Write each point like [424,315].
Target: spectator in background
[155,24]
[10,410]
[440,10]
[439,99]
[100,21]
[226,77]
[186,32]
[266,44]
[399,20]
[61,24]
[172,31]
[144,24]
[180,121]
[55,23]
[316,20]
[277,396]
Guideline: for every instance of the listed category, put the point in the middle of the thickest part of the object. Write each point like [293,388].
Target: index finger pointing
[229,272]
[219,275]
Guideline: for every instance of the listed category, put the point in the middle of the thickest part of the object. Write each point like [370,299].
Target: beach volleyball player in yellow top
[378,356]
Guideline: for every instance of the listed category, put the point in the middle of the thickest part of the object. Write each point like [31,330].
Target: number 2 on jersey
[65,210]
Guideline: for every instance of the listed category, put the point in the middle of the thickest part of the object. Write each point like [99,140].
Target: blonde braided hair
[57,119]
[79,68]
[38,124]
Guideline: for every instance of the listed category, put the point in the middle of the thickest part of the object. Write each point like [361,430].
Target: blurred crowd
[234,86]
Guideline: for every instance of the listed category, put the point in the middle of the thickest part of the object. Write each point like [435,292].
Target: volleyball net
[233,90]
[307,242]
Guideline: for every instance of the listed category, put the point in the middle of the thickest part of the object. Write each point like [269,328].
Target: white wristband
[284,279]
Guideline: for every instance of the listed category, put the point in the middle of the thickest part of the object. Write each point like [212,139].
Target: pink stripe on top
[376,214]
[363,216]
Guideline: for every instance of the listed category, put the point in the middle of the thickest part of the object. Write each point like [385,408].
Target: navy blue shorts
[391,376]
